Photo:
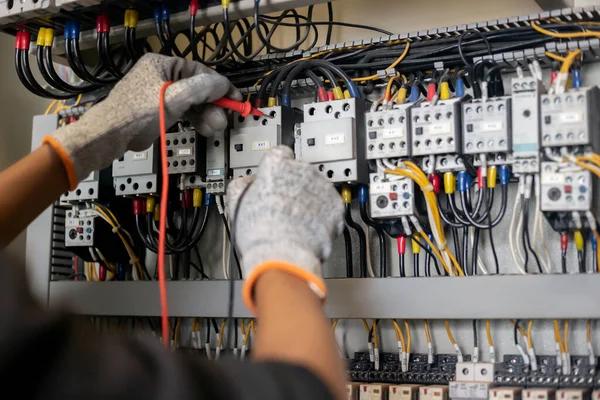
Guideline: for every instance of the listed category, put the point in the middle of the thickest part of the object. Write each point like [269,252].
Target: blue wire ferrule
[353,89]
[504,175]
[594,242]
[67,34]
[464,181]
[460,87]
[577,81]
[120,272]
[286,100]
[208,200]
[75,29]
[166,15]
[363,194]
[157,15]
[430,236]
[414,93]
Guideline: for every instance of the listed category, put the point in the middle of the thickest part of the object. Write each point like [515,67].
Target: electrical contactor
[388,132]
[487,126]
[136,172]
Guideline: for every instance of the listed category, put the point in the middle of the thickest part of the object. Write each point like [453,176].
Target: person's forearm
[27,188]
[294,329]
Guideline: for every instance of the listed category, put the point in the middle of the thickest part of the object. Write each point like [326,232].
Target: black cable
[416,265]
[563,261]
[380,235]
[465,252]
[102,47]
[475,335]
[28,80]
[330,26]
[199,270]
[362,240]
[496,262]
[460,42]
[193,44]
[348,247]
[337,23]
[431,256]
[75,59]
[516,331]
[523,239]
[456,242]
[475,252]
[581,262]
[401,260]
[528,241]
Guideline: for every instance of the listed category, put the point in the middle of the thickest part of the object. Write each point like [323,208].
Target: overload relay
[136,172]
[331,139]
[252,136]
[79,228]
[570,118]
[487,126]
[567,189]
[526,94]
[436,129]
[388,133]
[391,199]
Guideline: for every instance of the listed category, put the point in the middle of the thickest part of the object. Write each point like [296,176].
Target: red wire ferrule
[18,40]
[102,24]
[23,40]
[187,199]
[431,90]
[401,240]
[564,241]
[138,205]
[193,7]
[435,181]
[259,103]
[480,178]
[102,273]
[330,96]
[322,95]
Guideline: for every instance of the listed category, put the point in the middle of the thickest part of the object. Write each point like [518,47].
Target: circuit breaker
[332,138]
[136,172]
[565,190]
[388,133]
[391,199]
[487,126]
[251,137]
[570,118]
[436,129]
[526,94]
[217,163]
[79,228]
[88,189]
[182,152]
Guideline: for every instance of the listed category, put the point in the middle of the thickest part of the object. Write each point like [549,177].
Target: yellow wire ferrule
[347,94]
[225,4]
[579,242]
[416,249]
[492,177]
[49,37]
[444,91]
[401,96]
[346,194]
[134,17]
[41,37]
[157,212]
[150,204]
[272,102]
[127,19]
[449,183]
[197,198]
[338,93]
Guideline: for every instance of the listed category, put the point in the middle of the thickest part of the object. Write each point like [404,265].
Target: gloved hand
[287,220]
[128,118]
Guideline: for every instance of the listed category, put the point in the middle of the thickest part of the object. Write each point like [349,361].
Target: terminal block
[571,118]
[388,133]
[526,94]
[136,172]
[252,136]
[332,139]
[568,189]
[391,199]
[436,129]
[87,190]
[505,393]
[487,126]
[404,392]
[79,228]
[18,10]
[183,152]
[217,163]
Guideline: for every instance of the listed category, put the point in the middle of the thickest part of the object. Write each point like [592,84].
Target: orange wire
[162,224]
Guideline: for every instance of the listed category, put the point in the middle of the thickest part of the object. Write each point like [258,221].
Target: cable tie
[428,188]
[116,229]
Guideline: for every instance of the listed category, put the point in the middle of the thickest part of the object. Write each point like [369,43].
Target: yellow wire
[566,339]
[488,331]
[566,66]
[335,322]
[222,333]
[521,330]
[449,332]
[250,326]
[555,56]
[393,65]
[375,340]
[529,329]
[573,35]
[388,90]
[427,333]
[588,331]
[407,336]
[557,337]
[94,272]
[50,107]
[399,335]
[366,325]
[176,339]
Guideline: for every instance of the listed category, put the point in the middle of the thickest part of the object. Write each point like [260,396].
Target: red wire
[76,267]
[162,223]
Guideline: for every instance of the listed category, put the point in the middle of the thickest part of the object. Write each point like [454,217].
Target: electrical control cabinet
[570,118]
[526,94]
[88,189]
[136,172]
[251,137]
[565,189]
[388,133]
[391,199]
[217,163]
[332,138]
[436,129]
[182,152]
[487,126]
[79,228]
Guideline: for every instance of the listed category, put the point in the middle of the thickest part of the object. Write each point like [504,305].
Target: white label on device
[262,145]
[493,126]
[439,129]
[184,152]
[553,179]
[140,156]
[214,172]
[335,138]
[571,118]
[393,133]
[380,188]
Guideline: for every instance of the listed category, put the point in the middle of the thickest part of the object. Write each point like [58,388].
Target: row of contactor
[462,391]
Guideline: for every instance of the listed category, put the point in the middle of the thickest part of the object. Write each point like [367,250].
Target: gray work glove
[287,220]
[128,118]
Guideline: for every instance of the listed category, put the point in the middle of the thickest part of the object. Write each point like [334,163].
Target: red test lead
[242,107]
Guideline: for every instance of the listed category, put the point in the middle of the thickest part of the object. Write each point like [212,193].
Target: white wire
[369,263]
[538,238]
[482,267]
[225,256]
[511,236]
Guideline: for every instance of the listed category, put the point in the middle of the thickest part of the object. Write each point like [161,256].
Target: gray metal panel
[531,296]
[39,241]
